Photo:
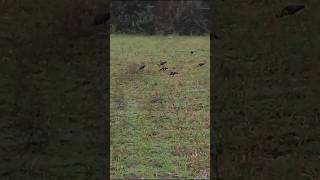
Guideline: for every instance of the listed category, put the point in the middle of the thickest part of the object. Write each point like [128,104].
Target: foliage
[156,17]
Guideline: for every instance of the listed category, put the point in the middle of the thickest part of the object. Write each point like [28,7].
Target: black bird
[155,99]
[142,66]
[201,64]
[173,73]
[163,69]
[101,18]
[191,52]
[163,63]
[290,10]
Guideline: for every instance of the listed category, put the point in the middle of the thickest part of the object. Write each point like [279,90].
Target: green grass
[160,125]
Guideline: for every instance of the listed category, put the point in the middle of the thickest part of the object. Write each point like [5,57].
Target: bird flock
[286,11]
[163,67]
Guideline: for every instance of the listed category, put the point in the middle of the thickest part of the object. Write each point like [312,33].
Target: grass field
[160,124]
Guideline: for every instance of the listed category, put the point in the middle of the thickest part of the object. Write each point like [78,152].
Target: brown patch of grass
[131,71]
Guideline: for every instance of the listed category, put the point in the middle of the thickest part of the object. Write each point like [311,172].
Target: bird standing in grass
[173,73]
[163,69]
[201,64]
[290,10]
[142,67]
[163,63]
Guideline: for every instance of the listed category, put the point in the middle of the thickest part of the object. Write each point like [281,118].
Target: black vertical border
[214,174]
[108,94]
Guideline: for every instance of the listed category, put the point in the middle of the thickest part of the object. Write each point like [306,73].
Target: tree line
[160,17]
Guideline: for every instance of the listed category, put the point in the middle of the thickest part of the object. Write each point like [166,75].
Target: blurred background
[160,17]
